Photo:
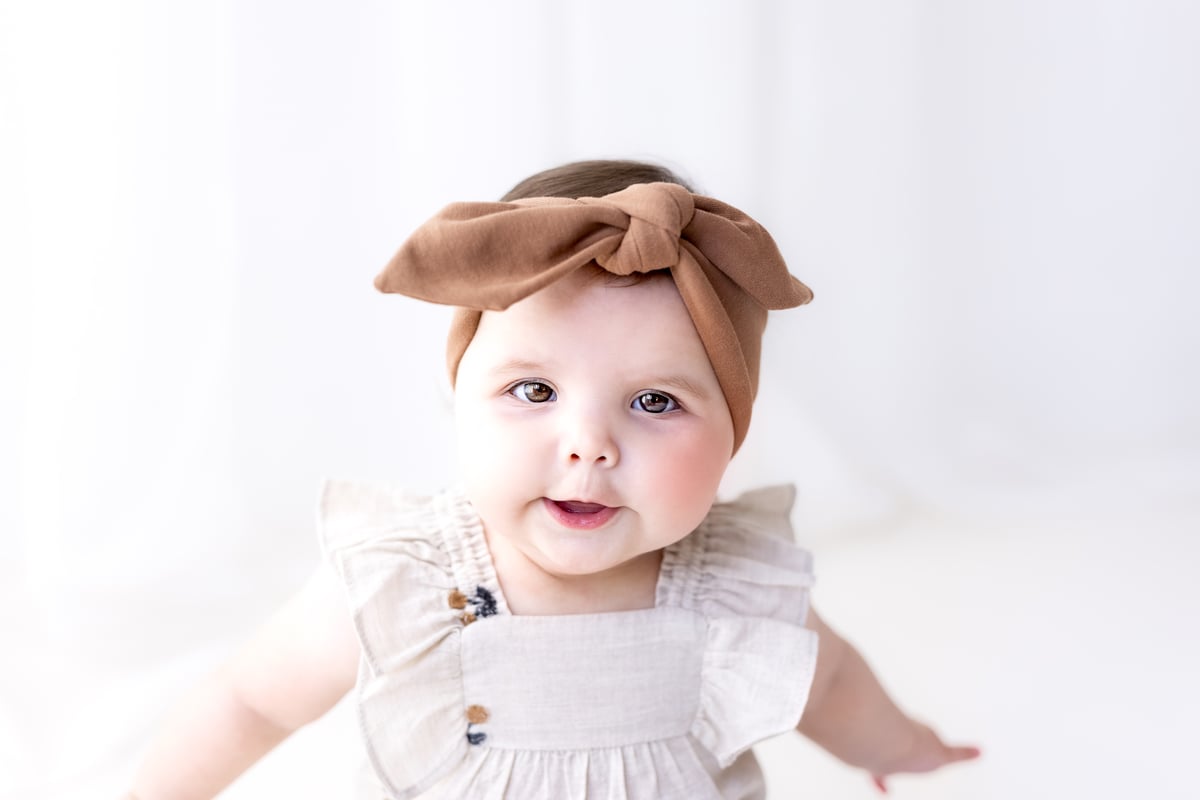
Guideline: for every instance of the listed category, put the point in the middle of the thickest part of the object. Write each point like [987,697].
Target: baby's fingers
[927,752]
[960,753]
[948,754]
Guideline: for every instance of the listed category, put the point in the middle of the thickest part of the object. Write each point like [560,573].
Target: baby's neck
[529,590]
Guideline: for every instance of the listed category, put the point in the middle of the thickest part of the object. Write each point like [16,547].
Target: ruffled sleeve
[743,572]
[391,550]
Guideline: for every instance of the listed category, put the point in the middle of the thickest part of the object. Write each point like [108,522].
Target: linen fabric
[729,272]
[658,703]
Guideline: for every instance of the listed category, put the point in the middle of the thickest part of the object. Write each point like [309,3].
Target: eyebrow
[519,365]
[684,385]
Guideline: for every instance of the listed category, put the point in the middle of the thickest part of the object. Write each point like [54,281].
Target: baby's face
[591,427]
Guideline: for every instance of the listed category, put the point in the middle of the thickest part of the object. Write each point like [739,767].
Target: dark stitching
[476,738]
[484,602]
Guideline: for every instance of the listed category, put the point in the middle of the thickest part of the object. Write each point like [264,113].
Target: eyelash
[520,390]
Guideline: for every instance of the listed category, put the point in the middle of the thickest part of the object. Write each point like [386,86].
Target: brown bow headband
[487,256]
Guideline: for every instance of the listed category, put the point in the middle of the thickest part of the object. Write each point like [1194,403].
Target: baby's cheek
[696,472]
[495,454]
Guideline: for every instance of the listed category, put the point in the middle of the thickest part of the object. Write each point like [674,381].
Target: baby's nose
[591,442]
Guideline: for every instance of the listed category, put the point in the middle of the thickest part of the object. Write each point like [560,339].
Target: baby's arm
[295,669]
[851,716]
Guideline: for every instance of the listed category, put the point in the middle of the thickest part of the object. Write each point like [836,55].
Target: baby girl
[579,617]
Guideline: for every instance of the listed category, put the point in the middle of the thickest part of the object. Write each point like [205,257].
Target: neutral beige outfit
[458,698]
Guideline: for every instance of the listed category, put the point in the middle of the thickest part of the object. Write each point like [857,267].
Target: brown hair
[595,178]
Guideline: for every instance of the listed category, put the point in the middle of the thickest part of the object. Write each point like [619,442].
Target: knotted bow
[727,268]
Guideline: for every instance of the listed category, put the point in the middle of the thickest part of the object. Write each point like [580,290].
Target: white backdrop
[995,203]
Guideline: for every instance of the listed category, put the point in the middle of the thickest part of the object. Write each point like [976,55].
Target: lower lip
[579,521]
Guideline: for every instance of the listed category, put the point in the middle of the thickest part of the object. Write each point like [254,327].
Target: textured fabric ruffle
[754,683]
[741,562]
[403,554]
[742,571]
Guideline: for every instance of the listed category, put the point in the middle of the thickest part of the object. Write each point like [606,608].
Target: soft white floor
[1058,634]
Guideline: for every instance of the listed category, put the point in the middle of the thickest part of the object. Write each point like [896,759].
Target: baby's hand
[926,752]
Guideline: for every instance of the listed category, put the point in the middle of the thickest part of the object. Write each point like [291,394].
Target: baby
[579,618]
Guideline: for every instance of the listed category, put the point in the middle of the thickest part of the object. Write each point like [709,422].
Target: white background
[991,407]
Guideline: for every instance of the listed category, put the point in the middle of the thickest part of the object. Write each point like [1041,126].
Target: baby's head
[604,354]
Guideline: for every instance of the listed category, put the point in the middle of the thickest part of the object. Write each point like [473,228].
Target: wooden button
[477,715]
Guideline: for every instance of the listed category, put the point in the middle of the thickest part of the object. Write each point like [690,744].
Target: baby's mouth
[578,514]
[577,507]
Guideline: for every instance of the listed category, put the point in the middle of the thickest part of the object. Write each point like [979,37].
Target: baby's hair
[591,179]
[596,178]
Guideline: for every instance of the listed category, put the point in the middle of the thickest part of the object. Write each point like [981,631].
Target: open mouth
[579,515]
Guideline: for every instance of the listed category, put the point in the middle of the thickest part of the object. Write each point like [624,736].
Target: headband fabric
[727,268]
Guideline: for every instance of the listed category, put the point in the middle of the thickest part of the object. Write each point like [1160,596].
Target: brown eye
[533,392]
[655,403]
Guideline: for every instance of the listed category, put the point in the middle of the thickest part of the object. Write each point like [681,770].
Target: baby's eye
[532,392]
[655,402]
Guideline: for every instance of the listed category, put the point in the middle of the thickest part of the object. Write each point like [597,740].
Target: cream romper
[459,698]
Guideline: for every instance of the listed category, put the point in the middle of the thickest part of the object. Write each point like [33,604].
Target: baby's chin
[592,564]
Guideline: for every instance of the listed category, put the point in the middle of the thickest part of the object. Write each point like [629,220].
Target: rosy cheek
[696,467]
